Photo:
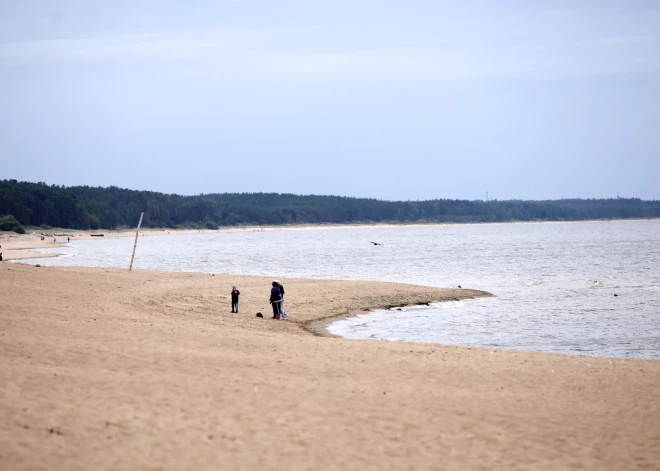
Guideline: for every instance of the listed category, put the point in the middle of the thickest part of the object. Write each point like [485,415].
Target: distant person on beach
[68,239]
[284,315]
[234,299]
[0,256]
[275,300]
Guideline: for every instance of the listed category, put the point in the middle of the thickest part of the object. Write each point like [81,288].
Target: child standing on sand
[234,299]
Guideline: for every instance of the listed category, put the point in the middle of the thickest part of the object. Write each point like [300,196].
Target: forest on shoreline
[84,207]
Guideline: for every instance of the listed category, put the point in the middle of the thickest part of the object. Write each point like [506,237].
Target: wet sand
[106,369]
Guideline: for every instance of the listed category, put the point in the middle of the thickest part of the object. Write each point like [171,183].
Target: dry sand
[106,369]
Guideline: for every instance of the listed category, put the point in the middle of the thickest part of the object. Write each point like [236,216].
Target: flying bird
[375,243]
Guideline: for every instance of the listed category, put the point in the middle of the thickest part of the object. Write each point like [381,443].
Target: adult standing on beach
[284,315]
[275,300]
[234,299]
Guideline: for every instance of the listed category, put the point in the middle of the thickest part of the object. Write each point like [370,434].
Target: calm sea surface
[555,283]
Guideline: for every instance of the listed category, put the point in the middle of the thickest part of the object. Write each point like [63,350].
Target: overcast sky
[392,99]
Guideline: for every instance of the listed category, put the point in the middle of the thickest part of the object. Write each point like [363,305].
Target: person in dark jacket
[275,299]
[234,299]
[283,313]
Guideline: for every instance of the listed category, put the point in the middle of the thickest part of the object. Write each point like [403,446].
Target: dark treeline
[83,207]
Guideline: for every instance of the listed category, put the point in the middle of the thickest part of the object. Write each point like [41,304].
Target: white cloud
[516,44]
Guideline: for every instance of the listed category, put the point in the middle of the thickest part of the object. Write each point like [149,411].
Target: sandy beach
[110,369]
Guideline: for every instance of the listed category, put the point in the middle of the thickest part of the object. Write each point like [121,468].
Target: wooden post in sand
[135,244]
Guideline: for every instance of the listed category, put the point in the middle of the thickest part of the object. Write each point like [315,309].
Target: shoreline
[319,327]
[20,247]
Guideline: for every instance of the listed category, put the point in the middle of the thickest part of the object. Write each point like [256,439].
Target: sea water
[590,288]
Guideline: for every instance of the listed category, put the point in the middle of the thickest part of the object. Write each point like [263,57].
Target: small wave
[361,324]
[600,284]
[443,305]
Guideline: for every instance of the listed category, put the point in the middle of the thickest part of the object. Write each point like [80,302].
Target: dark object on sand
[375,243]
[260,315]
[616,295]
[459,286]
[96,235]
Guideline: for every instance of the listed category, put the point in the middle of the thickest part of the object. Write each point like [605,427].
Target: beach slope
[106,369]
